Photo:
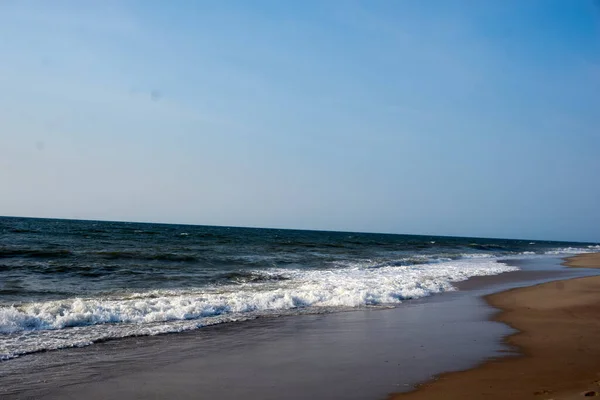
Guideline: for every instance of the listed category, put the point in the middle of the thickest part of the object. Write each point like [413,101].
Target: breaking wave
[276,291]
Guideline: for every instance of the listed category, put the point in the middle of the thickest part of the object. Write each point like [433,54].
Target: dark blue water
[69,283]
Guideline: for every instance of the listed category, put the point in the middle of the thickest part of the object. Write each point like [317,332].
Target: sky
[467,118]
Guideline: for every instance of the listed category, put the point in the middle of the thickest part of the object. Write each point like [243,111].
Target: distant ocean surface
[70,283]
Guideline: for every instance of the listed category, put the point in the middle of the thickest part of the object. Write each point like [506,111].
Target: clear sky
[473,118]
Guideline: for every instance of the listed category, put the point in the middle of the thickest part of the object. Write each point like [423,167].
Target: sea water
[66,283]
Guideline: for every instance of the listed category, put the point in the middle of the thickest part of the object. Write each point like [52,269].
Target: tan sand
[591,260]
[559,339]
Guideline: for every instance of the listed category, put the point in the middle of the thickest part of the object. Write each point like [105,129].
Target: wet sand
[558,338]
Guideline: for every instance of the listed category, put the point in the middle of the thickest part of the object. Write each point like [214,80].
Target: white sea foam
[81,321]
[477,255]
[573,250]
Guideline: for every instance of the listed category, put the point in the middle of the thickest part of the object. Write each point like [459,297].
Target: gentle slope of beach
[558,326]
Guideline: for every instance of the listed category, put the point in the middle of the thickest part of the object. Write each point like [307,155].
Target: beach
[100,310]
[306,356]
[558,326]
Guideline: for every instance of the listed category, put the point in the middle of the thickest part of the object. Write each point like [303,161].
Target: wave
[573,250]
[477,255]
[241,277]
[33,253]
[132,255]
[67,268]
[20,230]
[487,247]
[261,292]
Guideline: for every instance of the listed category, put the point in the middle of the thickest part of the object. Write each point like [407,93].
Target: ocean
[70,283]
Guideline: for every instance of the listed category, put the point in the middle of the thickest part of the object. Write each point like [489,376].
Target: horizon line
[294,229]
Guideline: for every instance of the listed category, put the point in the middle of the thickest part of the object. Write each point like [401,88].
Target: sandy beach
[558,328]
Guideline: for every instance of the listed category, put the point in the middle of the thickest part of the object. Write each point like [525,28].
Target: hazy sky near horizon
[473,118]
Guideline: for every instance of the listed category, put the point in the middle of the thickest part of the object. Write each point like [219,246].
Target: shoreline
[556,326]
[309,356]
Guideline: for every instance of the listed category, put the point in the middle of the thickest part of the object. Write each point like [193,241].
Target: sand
[558,336]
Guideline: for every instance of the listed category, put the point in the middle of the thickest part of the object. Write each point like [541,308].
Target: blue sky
[476,118]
